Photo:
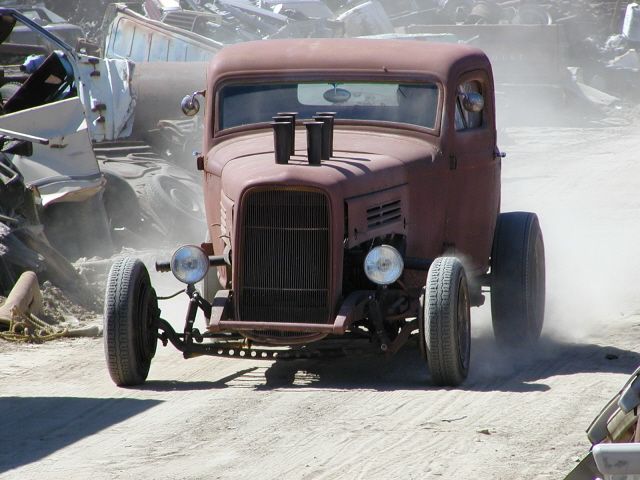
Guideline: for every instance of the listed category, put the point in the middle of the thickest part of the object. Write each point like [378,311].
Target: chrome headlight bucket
[383,265]
[189,264]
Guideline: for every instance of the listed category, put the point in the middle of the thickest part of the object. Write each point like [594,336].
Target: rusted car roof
[278,58]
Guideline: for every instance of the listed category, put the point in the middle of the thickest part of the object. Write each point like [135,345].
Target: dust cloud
[571,162]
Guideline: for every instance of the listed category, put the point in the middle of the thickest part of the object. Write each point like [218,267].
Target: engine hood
[363,162]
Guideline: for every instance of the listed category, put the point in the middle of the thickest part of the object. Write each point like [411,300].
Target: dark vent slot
[384,214]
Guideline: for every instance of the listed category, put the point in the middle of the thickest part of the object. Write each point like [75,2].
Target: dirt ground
[519,415]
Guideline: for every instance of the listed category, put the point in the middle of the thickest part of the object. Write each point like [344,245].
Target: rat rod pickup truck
[352,192]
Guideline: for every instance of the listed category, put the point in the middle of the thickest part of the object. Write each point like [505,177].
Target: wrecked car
[131,35]
[176,34]
[351,197]
[615,438]
[51,92]
[47,19]
[97,182]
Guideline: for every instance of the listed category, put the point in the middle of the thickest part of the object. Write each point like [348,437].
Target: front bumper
[351,310]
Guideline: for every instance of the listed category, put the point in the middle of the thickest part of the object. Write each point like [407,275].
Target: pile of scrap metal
[34,175]
[23,317]
[74,182]
[538,45]
[612,59]
[37,11]
[70,103]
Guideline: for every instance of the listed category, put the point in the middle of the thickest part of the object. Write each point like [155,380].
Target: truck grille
[284,273]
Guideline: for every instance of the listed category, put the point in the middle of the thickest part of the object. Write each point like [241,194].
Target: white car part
[66,166]
[618,461]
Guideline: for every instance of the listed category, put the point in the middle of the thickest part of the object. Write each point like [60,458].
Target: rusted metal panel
[376,214]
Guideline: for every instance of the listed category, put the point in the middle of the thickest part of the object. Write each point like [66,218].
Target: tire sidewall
[439,323]
[517,280]
[130,335]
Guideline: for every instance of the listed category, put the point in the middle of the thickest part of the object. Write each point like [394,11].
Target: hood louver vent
[384,214]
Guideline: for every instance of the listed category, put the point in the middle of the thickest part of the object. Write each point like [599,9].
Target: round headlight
[383,265]
[189,264]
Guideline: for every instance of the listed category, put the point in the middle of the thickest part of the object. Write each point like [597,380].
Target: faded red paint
[449,180]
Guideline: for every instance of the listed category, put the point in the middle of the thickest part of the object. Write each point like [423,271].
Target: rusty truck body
[352,191]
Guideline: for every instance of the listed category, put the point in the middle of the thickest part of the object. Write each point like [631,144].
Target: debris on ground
[31,315]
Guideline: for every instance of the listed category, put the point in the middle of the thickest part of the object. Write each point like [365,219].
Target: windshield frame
[358,77]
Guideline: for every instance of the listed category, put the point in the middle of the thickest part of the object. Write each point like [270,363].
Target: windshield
[245,104]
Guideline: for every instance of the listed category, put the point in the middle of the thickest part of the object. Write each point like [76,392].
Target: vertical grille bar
[284,275]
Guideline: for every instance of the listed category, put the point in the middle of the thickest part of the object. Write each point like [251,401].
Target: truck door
[474,194]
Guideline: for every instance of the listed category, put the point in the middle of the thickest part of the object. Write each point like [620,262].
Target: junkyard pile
[134,146]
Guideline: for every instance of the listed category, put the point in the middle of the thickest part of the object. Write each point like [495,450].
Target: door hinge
[453,162]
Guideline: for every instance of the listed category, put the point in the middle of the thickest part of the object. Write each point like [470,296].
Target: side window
[122,39]
[159,47]
[140,46]
[459,118]
[464,119]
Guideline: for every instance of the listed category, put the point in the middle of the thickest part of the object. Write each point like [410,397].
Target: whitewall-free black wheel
[517,279]
[445,330]
[130,331]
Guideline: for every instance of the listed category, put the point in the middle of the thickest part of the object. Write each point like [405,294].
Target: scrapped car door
[67,166]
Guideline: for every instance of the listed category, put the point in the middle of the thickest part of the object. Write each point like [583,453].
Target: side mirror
[190,105]
[473,102]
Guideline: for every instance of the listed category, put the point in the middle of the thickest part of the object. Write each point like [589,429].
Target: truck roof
[297,57]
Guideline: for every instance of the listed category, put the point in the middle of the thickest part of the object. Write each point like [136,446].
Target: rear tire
[445,330]
[130,330]
[517,280]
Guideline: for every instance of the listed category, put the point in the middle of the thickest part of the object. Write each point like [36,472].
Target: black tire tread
[512,303]
[119,342]
[446,278]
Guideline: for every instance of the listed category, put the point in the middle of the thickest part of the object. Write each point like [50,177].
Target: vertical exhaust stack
[314,142]
[327,123]
[291,116]
[281,140]
[330,123]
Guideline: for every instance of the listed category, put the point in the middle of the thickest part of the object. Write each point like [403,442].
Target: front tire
[130,331]
[445,328]
[517,280]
